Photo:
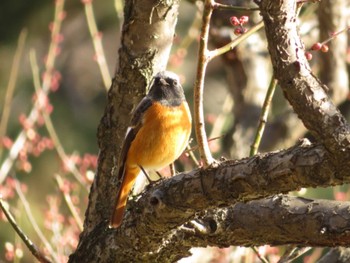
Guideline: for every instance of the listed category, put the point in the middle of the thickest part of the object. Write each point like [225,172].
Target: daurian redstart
[159,133]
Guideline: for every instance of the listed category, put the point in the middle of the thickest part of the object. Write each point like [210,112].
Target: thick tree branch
[332,17]
[304,91]
[151,220]
[148,32]
[305,222]
[175,201]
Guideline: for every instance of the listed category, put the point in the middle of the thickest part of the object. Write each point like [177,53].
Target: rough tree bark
[147,37]
[172,216]
[303,90]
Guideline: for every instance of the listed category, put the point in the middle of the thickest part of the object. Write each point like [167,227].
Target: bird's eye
[175,82]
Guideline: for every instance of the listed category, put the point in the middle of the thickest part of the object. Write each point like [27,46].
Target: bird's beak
[163,82]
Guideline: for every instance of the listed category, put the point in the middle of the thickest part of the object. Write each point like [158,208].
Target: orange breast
[162,137]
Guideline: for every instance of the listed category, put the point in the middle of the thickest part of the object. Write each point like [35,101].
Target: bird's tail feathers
[122,197]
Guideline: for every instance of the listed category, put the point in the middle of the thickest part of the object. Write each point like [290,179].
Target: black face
[166,89]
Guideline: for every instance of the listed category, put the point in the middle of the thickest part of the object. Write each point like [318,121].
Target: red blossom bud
[6,142]
[316,46]
[234,20]
[324,48]
[308,55]
[62,15]
[238,31]
[243,19]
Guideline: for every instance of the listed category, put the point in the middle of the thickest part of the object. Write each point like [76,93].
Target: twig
[292,252]
[29,244]
[69,203]
[307,1]
[172,169]
[11,85]
[234,8]
[34,223]
[260,130]
[189,151]
[96,40]
[34,114]
[262,259]
[219,51]
[49,125]
[201,135]
[204,57]
[194,148]
[263,116]
[118,5]
[335,35]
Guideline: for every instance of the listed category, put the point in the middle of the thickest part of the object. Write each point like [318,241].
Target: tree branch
[175,201]
[151,220]
[144,50]
[305,222]
[203,59]
[304,91]
[147,36]
[29,244]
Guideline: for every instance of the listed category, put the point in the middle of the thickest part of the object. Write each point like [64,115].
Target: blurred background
[77,98]
[47,187]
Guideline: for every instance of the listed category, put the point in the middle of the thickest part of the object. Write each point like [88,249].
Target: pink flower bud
[324,48]
[243,19]
[308,55]
[238,31]
[234,20]
[316,46]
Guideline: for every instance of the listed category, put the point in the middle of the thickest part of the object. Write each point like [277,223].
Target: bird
[159,131]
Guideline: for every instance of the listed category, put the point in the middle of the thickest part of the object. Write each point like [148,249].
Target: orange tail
[122,197]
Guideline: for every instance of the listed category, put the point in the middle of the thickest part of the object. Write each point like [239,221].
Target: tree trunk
[147,37]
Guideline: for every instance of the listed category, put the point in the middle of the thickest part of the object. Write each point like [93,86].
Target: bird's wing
[136,123]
